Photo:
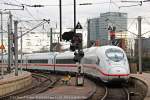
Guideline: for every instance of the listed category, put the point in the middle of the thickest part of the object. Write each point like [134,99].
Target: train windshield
[115,55]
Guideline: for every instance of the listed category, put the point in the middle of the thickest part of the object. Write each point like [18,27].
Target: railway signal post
[79,74]
[77,41]
[112,34]
[76,46]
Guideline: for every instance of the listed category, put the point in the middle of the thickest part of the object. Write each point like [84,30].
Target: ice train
[105,62]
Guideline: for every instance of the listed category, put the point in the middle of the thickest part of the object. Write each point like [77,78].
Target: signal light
[78,55]
[112,32]
[76,39]
[76,59]
[75,53]
[81,53]
[68,35]
[113,29]
[72,47]
[112,35]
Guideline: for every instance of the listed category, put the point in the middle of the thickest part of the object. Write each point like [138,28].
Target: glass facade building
[98,27]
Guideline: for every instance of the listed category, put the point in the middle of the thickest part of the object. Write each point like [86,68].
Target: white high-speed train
[106,62]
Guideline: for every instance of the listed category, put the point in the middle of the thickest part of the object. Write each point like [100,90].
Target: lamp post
[139,44]
[2,70]
[16,46]
[78,51]
[21,41]
[60,16]
[74,16]
[51,37]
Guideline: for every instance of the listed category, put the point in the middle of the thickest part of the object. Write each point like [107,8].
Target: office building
[98,27]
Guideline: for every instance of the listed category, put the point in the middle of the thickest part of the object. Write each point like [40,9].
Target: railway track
[116,93]
[99,93]
[110,92]
[40,84]
[43,81]
[44,84]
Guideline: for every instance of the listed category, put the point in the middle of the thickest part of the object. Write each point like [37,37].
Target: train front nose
[118,73]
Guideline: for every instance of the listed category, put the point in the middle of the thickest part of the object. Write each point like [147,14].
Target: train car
[38,61]
[107,63]
[65,62]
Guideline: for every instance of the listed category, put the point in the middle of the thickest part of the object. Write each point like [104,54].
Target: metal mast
[139,44]
[2,70]
[60,15]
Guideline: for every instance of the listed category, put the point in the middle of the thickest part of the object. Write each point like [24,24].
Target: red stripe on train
[105,74]
[51,65]
[93,66]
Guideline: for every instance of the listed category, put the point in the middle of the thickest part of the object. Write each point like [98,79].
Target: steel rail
[127,93]
[116,93]
[106,93]
[34,88]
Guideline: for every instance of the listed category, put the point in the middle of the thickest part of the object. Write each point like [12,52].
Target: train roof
[100,49]
[48,55]
[65,55]
[110,46]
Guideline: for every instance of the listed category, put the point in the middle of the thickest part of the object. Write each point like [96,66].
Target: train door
[51,62]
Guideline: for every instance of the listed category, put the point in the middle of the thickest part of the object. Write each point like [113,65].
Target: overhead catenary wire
[44,21]
[29,23]
[140,3]
[113,2]
[109,5]
[43,5]
[131,23]
[129,6]
[145,19]
[148,24]
[31,20]
[77,4]
[30,13]
[121,27]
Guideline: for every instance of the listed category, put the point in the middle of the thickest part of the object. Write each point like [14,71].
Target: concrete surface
[11,83]
[145,78]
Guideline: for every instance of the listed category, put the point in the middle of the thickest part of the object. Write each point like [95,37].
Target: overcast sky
[51,11]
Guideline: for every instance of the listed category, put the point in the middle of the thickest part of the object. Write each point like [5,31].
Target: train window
[65,61]
[38,61]
[90,61]
[19,61]
[115,55]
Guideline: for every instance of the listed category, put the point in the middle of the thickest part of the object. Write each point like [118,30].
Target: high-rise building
[98,27]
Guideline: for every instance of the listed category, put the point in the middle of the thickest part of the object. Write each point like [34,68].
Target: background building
[98,27]
[145,53]
[145,47]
